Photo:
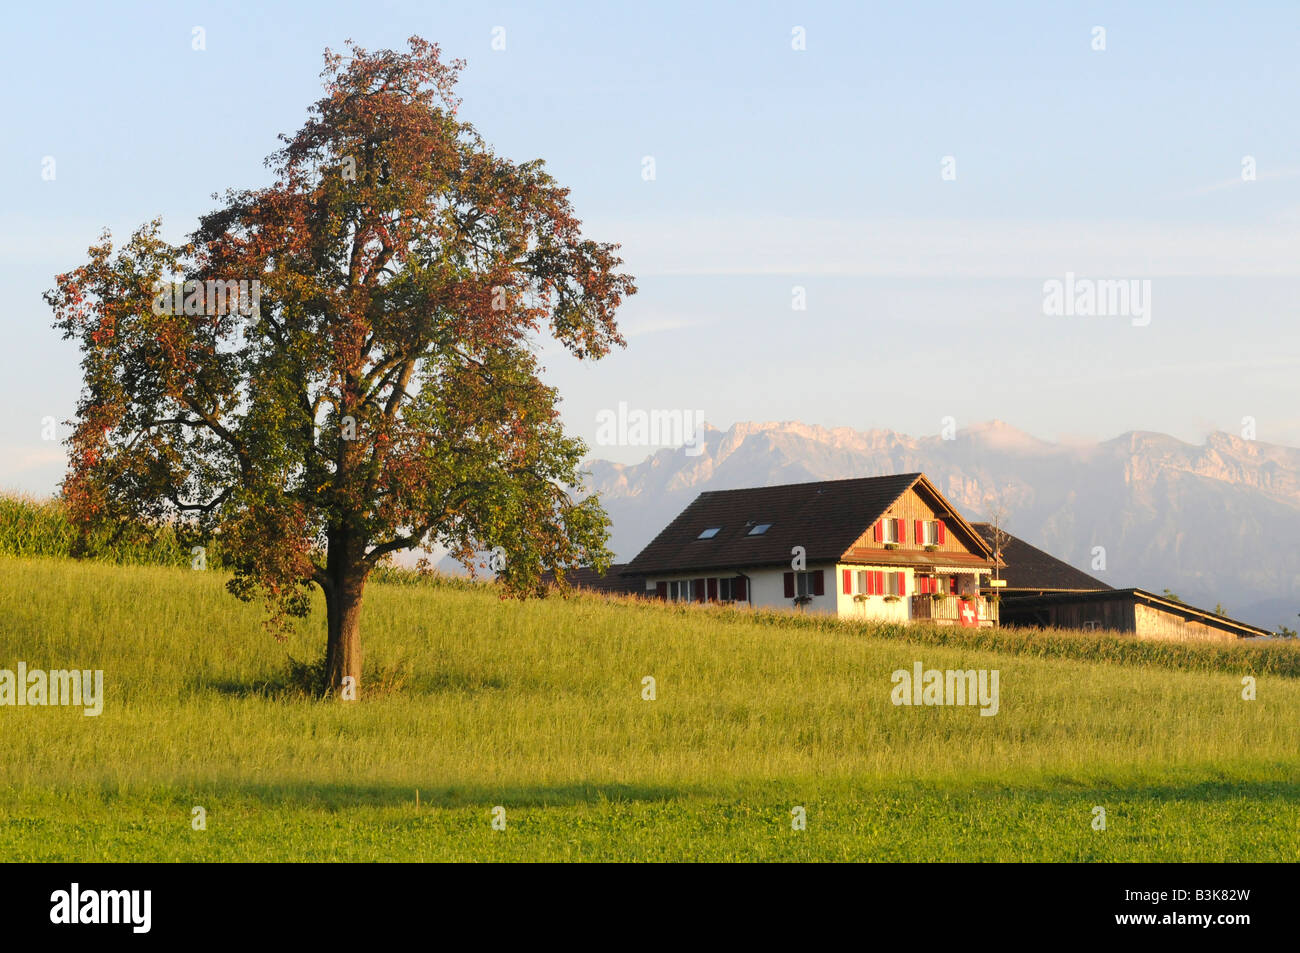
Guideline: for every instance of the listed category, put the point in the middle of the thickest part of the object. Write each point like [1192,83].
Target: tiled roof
[1028,567]
[825,518]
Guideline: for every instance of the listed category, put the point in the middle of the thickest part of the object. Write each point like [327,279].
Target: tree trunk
[347,572]
[343,650]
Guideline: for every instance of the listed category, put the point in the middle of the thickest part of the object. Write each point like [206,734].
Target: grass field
[537,707]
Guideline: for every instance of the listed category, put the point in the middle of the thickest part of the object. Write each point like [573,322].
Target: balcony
[947,609]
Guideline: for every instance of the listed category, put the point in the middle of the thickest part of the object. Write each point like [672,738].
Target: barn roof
[1029,568]
[612,580]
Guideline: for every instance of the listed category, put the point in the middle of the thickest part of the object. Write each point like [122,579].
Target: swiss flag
[966,612]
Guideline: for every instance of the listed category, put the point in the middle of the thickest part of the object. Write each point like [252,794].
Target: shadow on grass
[301,681]
[338,796]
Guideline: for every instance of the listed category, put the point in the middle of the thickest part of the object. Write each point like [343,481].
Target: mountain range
[1216,523]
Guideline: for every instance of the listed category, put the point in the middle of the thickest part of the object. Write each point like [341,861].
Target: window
[874,582]
[760,529]
[931,528]
[680,590]
[726,590]
[805,584]
[890,531]
[709,533]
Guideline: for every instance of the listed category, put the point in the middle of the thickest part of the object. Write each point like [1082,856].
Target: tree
[372,386]
[1174,597]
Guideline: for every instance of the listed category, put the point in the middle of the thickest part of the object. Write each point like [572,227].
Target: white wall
[874,607]
[767,591]
[767,587]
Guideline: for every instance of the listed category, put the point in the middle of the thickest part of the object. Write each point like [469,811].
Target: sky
[841,214]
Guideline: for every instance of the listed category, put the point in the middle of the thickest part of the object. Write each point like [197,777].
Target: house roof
[825,518]
[1146,598]
[611,580]
[1027,567]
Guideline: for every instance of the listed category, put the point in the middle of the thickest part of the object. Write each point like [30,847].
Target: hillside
[537,707]
[1215,523]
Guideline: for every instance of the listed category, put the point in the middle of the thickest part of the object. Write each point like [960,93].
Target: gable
[922,502]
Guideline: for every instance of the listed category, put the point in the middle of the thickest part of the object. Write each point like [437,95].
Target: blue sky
[774,168]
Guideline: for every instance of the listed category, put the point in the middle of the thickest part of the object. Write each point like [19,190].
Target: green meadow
[474,703]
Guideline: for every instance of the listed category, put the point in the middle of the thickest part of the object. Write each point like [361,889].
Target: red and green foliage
[383,393]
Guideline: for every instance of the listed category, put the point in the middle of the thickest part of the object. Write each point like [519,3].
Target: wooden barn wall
[1155,623]
[1116,614]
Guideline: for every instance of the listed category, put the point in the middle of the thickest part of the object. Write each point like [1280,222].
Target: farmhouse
[889,548]
[1041,590]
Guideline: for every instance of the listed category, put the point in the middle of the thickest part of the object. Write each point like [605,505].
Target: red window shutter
[879,530]
[902,530]
[789,585]
[940,532]
[713,589]
[661,590]
[699,590]
[902,584]
[919,528]
[952,584]
[848,582]
[879,575]
[819,582]
[738,587]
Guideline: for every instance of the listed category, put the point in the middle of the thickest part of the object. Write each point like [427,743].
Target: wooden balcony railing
[947,609]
